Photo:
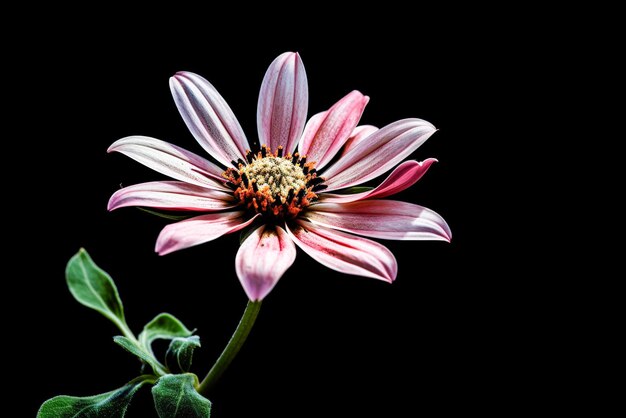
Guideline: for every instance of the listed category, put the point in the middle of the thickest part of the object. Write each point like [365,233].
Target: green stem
[126,332]
[232,348]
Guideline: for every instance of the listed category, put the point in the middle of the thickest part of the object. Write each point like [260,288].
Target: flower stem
[232,348]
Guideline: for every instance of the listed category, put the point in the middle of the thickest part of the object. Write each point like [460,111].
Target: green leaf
[94,288]
[176,397]
[164,215]
[133,348]
[164,326]
[356,189]
[111,404]
[179,354]
[246,232]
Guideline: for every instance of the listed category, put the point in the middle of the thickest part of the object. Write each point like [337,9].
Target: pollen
[273,184]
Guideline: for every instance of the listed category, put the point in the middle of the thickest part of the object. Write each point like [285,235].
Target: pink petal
[326,133]
[402,177]
[358,134]
[382,150]
[173,195]
[345,253]
[199,230]
[208,117]
[283,103]
[171,161]
[262,259]
[386,219]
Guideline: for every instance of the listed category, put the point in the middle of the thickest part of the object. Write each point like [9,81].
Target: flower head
[293,190]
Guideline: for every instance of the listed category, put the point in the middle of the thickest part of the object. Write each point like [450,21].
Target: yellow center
[274,185]
[278,175]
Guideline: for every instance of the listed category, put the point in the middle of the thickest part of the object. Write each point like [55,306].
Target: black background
[444,337]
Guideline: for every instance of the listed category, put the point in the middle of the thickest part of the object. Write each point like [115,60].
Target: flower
[289,190]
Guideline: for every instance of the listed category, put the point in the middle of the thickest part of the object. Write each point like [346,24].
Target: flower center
[274,185]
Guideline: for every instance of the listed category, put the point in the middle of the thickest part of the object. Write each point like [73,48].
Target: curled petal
[386,219]
[358,134]
[379,153]
[208,117]
[172,195]
[326,132]
[283,103]
[171,160]
[345,253]
[199,229]
[262,259]
[402,177]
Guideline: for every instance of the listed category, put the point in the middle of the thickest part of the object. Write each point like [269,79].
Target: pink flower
[289,191]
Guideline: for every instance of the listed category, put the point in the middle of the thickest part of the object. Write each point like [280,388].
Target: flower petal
[262,259]
[199,229]
[358,134]
[324,135]
[382,150]
[386,219]
[208,117]
[171,161]
[283,103]
[173,195]
[345,253]
[402,177]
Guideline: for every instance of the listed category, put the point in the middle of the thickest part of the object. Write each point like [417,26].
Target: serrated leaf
[164,215]
[164,326]
[176,397]
[180,353]
[356,189]
[93,287]
[111,404]
[133,348]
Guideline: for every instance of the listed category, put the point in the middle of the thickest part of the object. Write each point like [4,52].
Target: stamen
[275,185]
[315,180]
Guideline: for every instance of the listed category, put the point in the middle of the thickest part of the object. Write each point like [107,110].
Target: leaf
[111,404]
[164,326]
[165,215]
[176,397]
[246,232]
[356,189]
[133,348]
[93,287]
[179,354]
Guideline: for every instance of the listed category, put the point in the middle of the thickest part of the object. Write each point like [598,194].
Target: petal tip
[111,205]
[114,146]
[255,296]
[161,249]
[428,162]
